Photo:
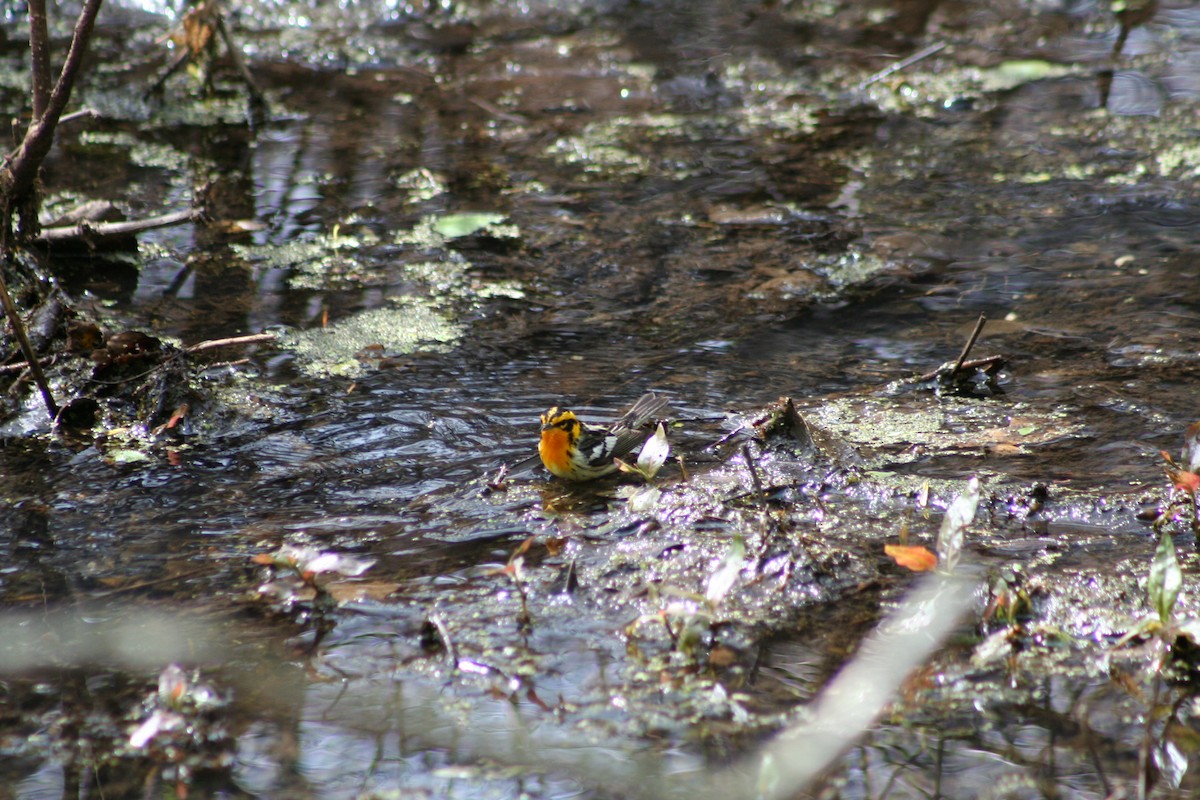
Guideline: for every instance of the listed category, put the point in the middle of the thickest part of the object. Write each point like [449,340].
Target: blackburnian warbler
[577,451]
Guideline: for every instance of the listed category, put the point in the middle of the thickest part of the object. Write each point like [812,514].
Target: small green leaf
[1147,627]
[125,455]
[454,226]
[1166,579]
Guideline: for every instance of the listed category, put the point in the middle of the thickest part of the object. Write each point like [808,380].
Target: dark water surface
[710,201]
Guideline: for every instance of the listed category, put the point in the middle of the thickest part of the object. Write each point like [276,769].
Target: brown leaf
[913,557]
[351,591]
[722,656]
[197,30]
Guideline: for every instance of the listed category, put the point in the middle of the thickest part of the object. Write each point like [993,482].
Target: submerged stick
[35,367]
[905,63]
[974,363]
[105,230]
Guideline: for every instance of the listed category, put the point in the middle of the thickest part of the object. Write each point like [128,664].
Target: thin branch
[444,634]
[257,99]
[920,55]
[83,113]
[39,57]
[103,230]
[20,365]
[974,363]
[39,377]
[211,344]
[758,487]
[23,167]
[958,365]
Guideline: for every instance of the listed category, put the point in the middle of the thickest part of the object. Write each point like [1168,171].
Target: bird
[576,451]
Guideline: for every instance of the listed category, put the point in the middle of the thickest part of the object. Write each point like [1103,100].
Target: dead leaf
[722,656]
[913,557]
[1186,481]
[349,592]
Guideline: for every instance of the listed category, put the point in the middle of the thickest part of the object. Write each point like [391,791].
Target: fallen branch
[20,365]
[975,363]
[83,113]
[93,231]
[210,344]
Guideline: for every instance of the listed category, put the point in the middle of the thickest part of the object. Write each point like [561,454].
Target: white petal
[654,453]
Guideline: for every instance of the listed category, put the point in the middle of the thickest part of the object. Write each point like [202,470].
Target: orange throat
[553,450]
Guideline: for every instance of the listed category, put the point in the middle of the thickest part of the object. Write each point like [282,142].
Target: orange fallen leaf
[913,557]
[1187,482]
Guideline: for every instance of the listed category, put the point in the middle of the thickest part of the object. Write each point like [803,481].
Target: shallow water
[709,204]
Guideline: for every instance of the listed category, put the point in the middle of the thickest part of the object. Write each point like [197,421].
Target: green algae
[420,185]
[342,348]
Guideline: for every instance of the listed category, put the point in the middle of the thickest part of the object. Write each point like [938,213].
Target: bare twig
[758,487]
[958,365]
[17,177]
[83,113]
[39,57]
[180,61]
[497,111]
[257,99]
[20,365]
[210,344]
[237,362]
[905,63]
[974,363]
[444,633]
[103,230]
[39,377]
